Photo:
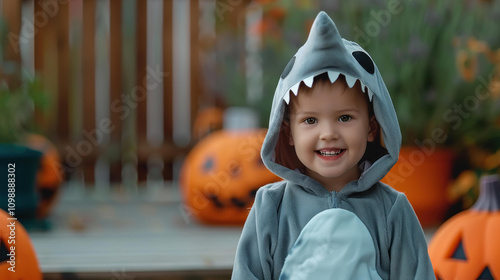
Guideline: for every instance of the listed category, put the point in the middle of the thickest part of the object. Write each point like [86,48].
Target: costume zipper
[334,200]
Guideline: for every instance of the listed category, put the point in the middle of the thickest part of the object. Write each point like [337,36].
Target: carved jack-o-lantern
[221,175]
[17,257]
[49,176]
[467,246]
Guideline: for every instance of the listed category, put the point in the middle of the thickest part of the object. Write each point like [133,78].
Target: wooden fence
[124,80]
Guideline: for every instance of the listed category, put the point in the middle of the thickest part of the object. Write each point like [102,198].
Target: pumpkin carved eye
[208,164]
[459,253]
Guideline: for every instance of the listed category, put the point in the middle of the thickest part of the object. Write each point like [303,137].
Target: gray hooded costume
[297,229]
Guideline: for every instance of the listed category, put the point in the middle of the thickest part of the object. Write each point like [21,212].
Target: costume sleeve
[257,242]
[408,247]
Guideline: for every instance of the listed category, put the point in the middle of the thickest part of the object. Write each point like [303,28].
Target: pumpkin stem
[489,197]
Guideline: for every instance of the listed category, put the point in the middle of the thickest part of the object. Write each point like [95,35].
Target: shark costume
[296,228]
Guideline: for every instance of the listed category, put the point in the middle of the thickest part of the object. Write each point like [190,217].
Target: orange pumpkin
[467,245]
[49,176]
[16,251]
[221,175]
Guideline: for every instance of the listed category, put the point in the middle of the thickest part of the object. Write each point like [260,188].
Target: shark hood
[325,51]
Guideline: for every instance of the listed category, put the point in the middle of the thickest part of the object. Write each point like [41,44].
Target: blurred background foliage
[440,60]
[22,96]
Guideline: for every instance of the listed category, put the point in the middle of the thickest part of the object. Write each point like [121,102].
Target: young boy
[331,218]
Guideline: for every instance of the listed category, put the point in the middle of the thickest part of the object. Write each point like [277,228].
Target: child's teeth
[330,153]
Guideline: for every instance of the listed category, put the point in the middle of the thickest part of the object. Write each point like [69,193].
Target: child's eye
[311,120]
[345,118]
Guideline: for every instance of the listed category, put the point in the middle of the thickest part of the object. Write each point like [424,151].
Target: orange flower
[492,161]
[277,13]
[477,46]
[260,27]
[467,65]
[465,181]
[494,87]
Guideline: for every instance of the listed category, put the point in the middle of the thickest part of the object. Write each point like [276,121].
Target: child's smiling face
[329,128]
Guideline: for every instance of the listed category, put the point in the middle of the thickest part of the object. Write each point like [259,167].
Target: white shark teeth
[333,76]
[309,81]
[287,97]
[370,93]
[362,86]
[366,90]
[295,88]
[350,80]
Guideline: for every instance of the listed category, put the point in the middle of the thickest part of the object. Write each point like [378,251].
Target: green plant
[20,97]
[17,108]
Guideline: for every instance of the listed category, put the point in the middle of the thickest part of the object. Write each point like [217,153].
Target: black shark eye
[288,68]
[364,60]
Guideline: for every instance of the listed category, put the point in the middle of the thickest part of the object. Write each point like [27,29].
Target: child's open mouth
[330,152]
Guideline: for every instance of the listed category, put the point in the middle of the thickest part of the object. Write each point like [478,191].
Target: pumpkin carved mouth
[3,252]
[241,203]
[486,275]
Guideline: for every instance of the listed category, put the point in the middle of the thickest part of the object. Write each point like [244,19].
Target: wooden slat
[88,78]
[129,143]
[39,38]
[47,63]
[116,86]
[167,83]
[194,58]
[11,12]
[141,58]
[63,130]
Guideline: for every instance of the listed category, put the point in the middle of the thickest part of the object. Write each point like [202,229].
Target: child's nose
[329,131]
